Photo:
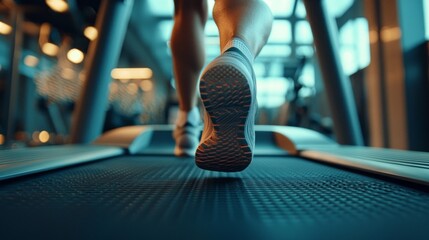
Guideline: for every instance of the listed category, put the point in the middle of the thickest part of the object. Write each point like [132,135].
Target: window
[354,45]
[426,12]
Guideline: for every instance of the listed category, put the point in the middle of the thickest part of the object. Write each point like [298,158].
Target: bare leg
[228,86]
[187,45]
[249,20]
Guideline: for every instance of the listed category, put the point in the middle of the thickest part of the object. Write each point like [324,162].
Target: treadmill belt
[158,196]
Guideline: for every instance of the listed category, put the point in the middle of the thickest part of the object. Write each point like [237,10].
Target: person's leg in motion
[187,45]
[228,86]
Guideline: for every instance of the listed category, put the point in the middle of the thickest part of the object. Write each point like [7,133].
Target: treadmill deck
[158,196]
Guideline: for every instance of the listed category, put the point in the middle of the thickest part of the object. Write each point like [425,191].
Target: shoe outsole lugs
[227,98]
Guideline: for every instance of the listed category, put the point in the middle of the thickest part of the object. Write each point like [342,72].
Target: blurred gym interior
[87,103]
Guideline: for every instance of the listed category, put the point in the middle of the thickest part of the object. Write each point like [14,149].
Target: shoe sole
[227,98]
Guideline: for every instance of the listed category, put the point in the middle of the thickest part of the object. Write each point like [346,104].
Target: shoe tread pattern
[226,96]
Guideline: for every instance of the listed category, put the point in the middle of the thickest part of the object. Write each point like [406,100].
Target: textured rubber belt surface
[172,198]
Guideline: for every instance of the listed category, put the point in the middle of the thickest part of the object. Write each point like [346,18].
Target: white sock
[242,46]
[192,117]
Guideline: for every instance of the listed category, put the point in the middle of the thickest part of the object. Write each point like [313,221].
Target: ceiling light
[114,88]
[146,85]
[5,28]
[35,136]
[132,89]
[31,60]
[57,5]
[68,73]
[91,33]
[131,73]
[50,49]
[44,136]
[75,55]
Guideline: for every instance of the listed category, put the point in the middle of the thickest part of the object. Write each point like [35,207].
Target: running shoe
[187,138]
[228,92]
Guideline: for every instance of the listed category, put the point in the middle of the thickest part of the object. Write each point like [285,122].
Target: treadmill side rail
[148,139]
[25,161]
[132,138]
[294,139]
[404,165]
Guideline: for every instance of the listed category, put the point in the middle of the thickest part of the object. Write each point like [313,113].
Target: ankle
[191,117]
[240,45]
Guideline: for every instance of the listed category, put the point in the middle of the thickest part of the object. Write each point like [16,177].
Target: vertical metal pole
[103,55]
[415,56]
[382,74]
[337,85]
[293,20]
[12,85]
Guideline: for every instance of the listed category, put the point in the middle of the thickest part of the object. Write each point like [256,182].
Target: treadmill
[127,184]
